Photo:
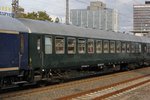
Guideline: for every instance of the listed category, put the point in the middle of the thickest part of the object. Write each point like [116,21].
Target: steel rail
[69,97]
[121,90]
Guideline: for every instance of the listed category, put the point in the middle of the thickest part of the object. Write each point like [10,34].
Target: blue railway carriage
[13,54]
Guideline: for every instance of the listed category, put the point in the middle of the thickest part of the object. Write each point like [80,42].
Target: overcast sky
[57,8]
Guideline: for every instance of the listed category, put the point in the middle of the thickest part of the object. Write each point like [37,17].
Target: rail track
[113,89]
[66,91]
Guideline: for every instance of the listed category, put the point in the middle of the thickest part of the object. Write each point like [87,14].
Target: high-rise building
[141,21]
[96,5]
[95,16]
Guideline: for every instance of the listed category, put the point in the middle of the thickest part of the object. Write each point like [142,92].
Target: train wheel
[116,68]
[124,67]
[42,83]
[131,66]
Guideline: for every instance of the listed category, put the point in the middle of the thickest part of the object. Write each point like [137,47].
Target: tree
[43,16]
[20,13]
[32,15]
[40,15]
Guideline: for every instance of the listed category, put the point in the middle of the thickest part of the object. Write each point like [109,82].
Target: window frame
[148,47]
[118,46]
[101,47]
[60,37]
[75,47]
[108,48]
[49,45]
[123,49]
[38,44]
[128,47]
[136,47]
[88,46]
[133,47]
[84,46]
[140,48]
[113,47]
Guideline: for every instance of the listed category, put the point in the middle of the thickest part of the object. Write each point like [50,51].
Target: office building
[141,19]
[96,16]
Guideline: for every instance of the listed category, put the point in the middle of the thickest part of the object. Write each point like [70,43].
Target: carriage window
[136,48]
[81,46]
[98,46]
[71,46]
[148,48]
[38,44]
[123,47]
[59,45]
[140,48]
[106,46]
[128,47]
[48,45]
[118,46]
[90,46]
[22,43]
[133,47]
[112,46]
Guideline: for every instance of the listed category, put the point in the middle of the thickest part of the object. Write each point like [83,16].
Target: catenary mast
[67,12]
[15,7]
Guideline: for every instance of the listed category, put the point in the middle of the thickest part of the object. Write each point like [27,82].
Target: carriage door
[36,51]
[23,54]
[40,55]
[144,48]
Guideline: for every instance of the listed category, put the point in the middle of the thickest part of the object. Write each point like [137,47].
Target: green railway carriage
[32,50]
[62,47]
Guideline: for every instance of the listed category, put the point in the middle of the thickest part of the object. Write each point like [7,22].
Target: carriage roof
[11,24]
[45,27]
